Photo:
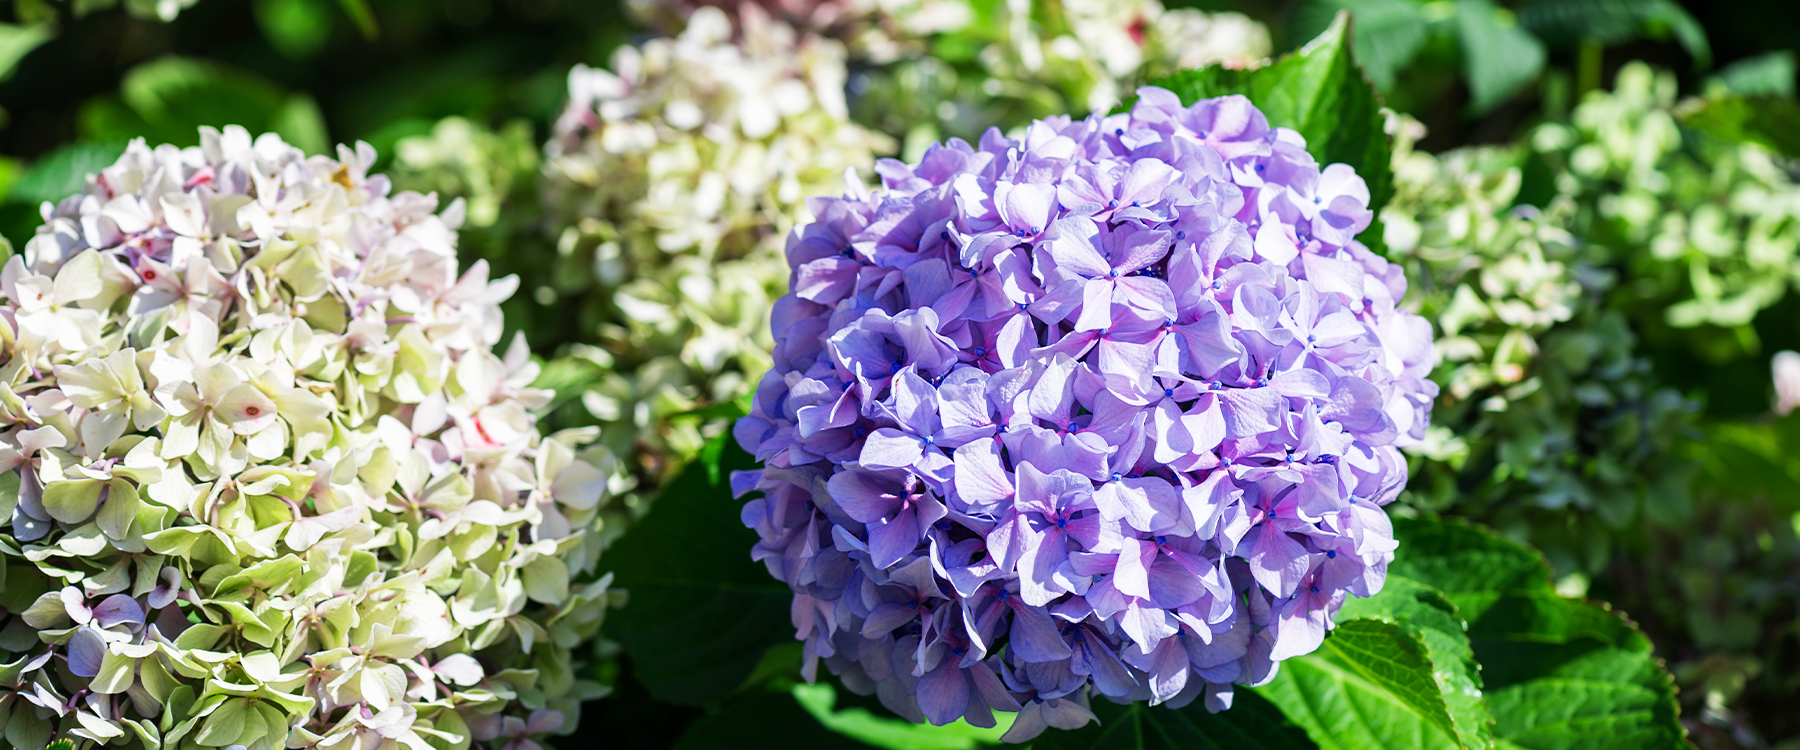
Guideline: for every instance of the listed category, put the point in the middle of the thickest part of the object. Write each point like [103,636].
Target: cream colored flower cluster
[1547,424]
[677,175]
[1718,224]
[267,484]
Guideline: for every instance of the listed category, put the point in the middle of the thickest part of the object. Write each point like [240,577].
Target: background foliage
[1595,201]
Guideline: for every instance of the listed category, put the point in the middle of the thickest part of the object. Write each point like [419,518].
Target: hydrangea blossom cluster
[1110,408]
[1546,404]
[1035,59]
[267,483]
[1712,227]
[675,175]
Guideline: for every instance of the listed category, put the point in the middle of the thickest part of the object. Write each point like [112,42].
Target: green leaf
[1770,74]
[1369,686]
[1610,22]
[1558,672]
[17,41]
[893,733]
[1387,33]
[61,173]
[225,725]
[701,612]
[166,100]
[1434,619]
[763,720]
[1319,92]
[1770,121]
[1252,723]
[361,15]
[297,29]
[1499,58]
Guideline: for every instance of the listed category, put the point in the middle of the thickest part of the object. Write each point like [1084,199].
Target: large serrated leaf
[1369,686]
[701,612]
[1430,614]
[1499,58]
[1321,93]
[1252,723]
[1558,673]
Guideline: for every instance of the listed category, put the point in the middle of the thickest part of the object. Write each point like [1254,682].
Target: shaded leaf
[1770,74]
[1558,672]
[1387,33]
[1321,93]
[17,41]
[763,720]
[1252,723]
[1770,121]
[892,732]
[60,174]
[1609,22]
[1499,57]
[701,612]
[1369,686]
[1431,615]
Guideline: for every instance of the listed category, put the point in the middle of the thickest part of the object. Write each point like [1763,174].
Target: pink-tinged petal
[1299,629]
[1037,568]
[1333,276]
[86,650]
[1132,574]
[1033,637]
[1250,411]
[980,478]
[1027,206]
[1096,305]
[862,496]
[1144,181]
[895,539]
[1275,244]
[1301,384]
[1071,243]
[943,693]
[1150,297]
[888,448]
[887,616]
[1276,560]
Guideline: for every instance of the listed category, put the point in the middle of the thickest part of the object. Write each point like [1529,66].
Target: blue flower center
[1331,554]
[1073,427]
[1162,541]
[1168,393]
[980,351]
[1313,589]
[1062,523]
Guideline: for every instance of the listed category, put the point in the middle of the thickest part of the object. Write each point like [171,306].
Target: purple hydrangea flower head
[1111,408]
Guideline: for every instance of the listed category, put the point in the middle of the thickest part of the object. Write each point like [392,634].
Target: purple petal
[86,650]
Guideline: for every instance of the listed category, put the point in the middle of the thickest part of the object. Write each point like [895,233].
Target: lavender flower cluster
[1111,408]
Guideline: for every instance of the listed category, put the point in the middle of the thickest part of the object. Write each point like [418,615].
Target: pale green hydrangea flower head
[266,482]
[1712,227]
[1547,424]
[676,176]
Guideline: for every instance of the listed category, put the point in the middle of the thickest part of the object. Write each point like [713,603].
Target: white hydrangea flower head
[267,483]
[676,175]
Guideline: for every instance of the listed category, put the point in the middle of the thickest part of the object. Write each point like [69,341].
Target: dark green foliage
[1321,93]
[701,612]
[1252,722]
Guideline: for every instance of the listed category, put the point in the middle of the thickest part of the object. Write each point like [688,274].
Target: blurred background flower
[1595,202]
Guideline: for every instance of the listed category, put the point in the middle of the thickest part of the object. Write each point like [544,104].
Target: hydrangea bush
[958,67]
[1710,230]
[1547,406]
[1112,408]
[674,177]
[272,482]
